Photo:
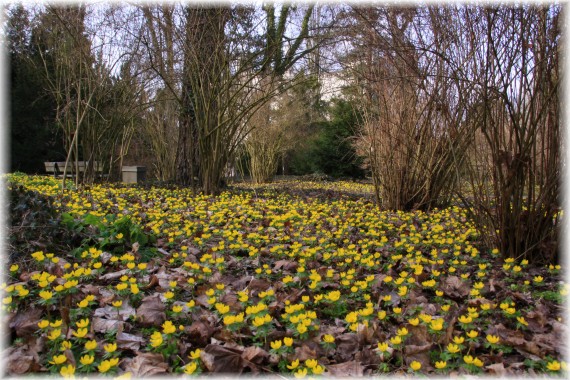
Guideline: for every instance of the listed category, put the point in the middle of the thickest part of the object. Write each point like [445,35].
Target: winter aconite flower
[67,371]
[190,368]
[110,348]
[156,339]
[553,366]
[87,359]
[415,365]
[168,328]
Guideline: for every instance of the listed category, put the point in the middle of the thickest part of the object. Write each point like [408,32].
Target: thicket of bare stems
[465,100]
[413,137]
[274,129]
[515,166]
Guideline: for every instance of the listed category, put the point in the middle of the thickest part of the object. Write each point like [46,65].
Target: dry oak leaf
[103,325]
[145,364]
[497,369]
[346,346]
[418,353]
[255,355]
[25,322]
[127,341]
[151,311]
[110,312]
[19,360]
[346,369]
[200,332]
[308,350]
[220,359]
[455,287]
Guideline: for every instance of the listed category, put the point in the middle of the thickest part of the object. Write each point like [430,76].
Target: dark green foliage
[328,147]
[336,155]
[32,112]
[33,223]
[103,233]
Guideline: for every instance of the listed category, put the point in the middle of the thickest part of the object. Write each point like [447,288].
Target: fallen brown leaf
[151,311]
[127,341]
[346,369]
[347,345]
[220,359]
[25,322]
[145,365]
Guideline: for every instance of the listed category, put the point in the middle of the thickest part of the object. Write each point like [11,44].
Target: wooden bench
[57,168]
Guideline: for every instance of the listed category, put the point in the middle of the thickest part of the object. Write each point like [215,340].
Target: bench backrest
[59,166]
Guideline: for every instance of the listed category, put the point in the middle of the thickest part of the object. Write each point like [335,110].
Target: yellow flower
[383,347]
[156,339]
[104,366]
[90,345]
[43,324]
[397,310]
[351,317]
[465,319]
[80,333]
[110,348]
[445,307]
[222,309]
[276,344]
[302,372]
[67,370]
[458,339]
[396,340]
[538,279]
[117,304]
[87,359]
[168,295]
[190,368]
[415,365]
[195,354]
[402,332]
[493,339]
[437,324]
[288,341]
[553,366]
[414,321]
[477,362]
[318,369]
[472,334]
[14,267]
[54,334]
[327,338]
[522,321]
[65,345]
[381,314]
[82,323]
[58,359]
[453,348]
[83,304]
[311,363]
[168,327]
[46,295]
[440,365]
[468,359]
[294,364]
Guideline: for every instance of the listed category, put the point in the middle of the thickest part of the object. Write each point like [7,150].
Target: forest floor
[295,278]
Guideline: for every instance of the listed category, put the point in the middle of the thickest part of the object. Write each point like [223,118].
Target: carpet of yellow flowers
[295,278]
